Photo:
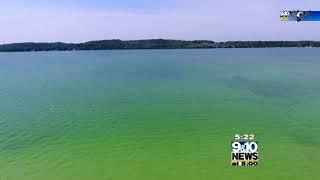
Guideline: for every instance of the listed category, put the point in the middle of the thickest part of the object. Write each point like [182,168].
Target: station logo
[284,15]
[245,152]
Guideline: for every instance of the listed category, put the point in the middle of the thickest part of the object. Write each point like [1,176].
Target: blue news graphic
[300,15]
[312,16]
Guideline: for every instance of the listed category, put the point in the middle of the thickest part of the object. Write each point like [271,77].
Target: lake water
[158,114]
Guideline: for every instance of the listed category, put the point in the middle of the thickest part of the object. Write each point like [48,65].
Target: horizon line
[169,39]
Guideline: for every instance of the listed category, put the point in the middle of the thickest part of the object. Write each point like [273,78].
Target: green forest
[150,44]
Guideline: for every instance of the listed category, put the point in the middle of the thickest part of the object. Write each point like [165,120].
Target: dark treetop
[151,44]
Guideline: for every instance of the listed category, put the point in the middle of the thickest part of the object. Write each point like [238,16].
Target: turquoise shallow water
[158,114]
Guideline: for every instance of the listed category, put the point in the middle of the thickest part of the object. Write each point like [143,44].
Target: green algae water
[158,114]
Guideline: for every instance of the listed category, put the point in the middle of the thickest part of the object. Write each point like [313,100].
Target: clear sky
[218,20]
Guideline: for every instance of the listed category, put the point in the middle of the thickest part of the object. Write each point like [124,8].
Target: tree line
[150,44]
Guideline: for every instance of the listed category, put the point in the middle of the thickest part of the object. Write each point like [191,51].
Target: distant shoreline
[152,44]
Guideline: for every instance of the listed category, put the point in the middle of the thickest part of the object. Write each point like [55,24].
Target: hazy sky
[80,20]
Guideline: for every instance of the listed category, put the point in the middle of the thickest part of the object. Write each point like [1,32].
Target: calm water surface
[158,114]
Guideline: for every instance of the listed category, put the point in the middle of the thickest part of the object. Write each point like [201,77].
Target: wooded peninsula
[150,44]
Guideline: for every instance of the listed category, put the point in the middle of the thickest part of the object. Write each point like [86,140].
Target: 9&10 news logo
[244,153]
